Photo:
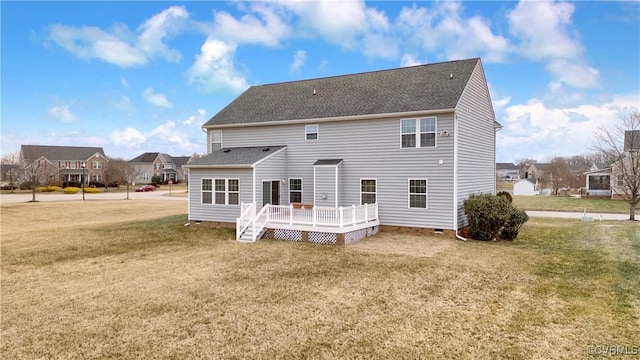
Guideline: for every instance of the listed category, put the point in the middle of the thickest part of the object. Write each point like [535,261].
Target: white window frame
[226,191]
[203,191]
[145,176]
[295,191]
[375,193]
[426,193]
[418,132]
[213,139]
[97,165]
[308,130]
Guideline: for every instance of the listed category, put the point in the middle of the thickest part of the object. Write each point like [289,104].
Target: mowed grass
[156,289]
[566,203]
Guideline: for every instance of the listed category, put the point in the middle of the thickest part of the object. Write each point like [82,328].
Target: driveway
[110,195]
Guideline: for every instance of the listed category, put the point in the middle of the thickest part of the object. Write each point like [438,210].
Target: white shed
[525,187]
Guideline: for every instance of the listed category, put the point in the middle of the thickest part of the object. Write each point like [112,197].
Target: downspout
[455,177]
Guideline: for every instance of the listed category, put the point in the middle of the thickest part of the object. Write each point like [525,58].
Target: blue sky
[144,76]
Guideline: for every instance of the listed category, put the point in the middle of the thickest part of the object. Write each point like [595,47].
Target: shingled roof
[147,157]
[240,156]
[416,88]
[51,153]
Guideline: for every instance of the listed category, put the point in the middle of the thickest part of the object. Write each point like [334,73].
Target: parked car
[145,188]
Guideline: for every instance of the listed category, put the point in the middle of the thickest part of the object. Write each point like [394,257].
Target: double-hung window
[368,191]
[295,191]
[418,132]
[311,132]
[207,195]
[418,193]
[216,140]
[224,191]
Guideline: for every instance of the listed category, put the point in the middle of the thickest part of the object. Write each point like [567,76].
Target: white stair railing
[246,218]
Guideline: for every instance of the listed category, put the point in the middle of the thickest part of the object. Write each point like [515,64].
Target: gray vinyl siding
[273,168]
[476,141]
[211,212]
[369,149]
[325,183]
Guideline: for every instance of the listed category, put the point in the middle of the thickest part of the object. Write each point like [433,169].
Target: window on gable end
[216,140]
[311,132]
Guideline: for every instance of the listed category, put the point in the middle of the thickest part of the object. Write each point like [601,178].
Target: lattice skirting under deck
[319,237]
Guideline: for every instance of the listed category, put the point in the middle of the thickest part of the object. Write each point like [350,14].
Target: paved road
[577,215]
[151,195]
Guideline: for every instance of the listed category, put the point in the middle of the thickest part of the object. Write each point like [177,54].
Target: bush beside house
[493,217]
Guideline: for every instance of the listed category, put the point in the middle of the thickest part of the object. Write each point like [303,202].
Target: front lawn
[115,288]
[566,203]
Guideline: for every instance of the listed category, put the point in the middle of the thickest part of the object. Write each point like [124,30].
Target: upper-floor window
[157,166]
[167,166]
[368,191]
[97,165]
[216,140]
[418,132]
[295,190]
[311,132]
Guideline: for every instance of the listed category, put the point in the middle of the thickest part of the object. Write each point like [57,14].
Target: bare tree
[38,172]
[10,167]
[122,172]
[558,174]
[620,146]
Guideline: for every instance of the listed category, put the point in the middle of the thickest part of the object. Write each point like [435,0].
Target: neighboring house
[537,171]
[64,163]
[598,180]
[526,187]
[631,162]
[165,166]
[399,148]
[507,171]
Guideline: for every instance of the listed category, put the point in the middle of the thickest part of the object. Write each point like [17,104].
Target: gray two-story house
[335,159]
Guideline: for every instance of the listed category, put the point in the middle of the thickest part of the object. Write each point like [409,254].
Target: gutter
[455,177]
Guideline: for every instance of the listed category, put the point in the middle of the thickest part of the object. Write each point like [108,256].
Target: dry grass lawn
[126,279]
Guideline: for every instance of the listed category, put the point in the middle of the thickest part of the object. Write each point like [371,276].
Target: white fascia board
[332,119]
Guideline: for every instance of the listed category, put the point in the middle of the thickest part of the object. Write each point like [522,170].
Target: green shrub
[491,217]
[506,195]
[71,190]
[156,179]
[511,228]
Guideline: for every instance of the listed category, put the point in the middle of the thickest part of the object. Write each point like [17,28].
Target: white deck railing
[323,216]
[316,216]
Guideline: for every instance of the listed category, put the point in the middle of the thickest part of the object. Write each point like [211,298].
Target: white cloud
[124,105]
[167,136]
[91,42]
[157,28]
[409,60]
[156,99]
[128,137]
[263,26]
[124,82]
[543,28]
[62,113]
[444,29]
[573,73]
[299,59]
[119,45]
[535,129]
[214,67]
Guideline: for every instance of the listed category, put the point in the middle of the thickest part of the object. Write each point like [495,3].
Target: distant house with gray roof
[507,171]
[65,163]
[165,166]
[335,159]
